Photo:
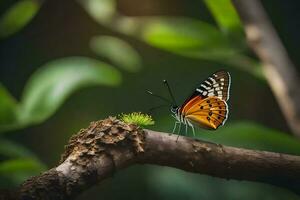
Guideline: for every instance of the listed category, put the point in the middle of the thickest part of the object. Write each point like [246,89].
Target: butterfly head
[174,109]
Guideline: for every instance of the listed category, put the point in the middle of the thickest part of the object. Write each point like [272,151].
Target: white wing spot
[204,86]
[207,82]
[213,80]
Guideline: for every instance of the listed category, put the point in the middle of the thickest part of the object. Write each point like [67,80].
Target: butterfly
[206,107]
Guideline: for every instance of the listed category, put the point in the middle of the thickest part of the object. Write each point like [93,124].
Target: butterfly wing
[208,113]
[207,106]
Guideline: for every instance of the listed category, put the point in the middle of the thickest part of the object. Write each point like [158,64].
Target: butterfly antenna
[157,107]
[160,97]
[170,92]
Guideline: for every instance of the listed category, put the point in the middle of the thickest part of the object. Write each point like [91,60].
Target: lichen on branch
[101,134]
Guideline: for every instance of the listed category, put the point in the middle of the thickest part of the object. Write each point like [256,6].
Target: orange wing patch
[191,103]
[207,113]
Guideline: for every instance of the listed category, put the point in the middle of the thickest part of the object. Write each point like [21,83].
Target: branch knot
[102,135]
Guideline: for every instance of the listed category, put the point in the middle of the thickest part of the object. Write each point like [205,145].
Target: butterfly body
[206,107]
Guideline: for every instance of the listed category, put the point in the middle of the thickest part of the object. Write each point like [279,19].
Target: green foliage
[8,106]
[117,51]
[18,16]
[187,37]
[101,10]
[196,39]
[19,163]
[137,118]
[20,169]
[52,84]
[169,183]
[9,149]
[225,15]
[49,87]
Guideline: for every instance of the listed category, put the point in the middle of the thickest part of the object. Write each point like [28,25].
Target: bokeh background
[66,63]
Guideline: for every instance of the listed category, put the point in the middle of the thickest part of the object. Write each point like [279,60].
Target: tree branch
[279,71]
[109,145]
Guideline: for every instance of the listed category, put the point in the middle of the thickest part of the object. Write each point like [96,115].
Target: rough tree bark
[109,145]
[279,71]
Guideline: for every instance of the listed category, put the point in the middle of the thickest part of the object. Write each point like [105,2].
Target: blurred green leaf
[225,15]
[11,149]
[18,170]
[170,183]
[49,87]
[101,10]
[18,16]
[192,38]
[8,106]
[188,37]
[252,136]
[117,51]
[20,163]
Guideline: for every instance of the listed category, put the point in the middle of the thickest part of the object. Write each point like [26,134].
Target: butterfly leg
[193,130]
[186,128]
[175,126]
[179,129]
[192,126]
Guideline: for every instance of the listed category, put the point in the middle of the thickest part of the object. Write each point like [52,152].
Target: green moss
[137,118]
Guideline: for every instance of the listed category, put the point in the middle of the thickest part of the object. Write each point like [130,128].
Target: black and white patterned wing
[217,84]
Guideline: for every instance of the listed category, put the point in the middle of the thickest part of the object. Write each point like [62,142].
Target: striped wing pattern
[218,84]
